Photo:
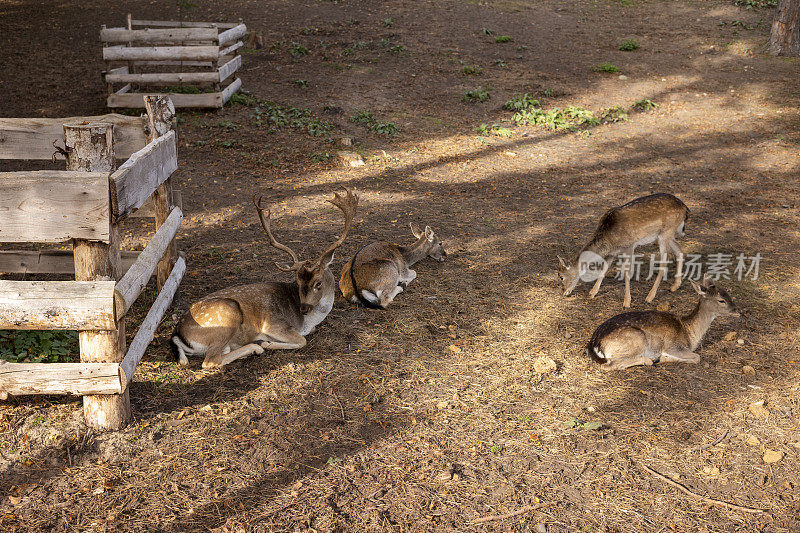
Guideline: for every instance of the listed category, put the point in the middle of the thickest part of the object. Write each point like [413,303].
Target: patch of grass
[628,45]
[320,157]
[182,89]
[228,144]
[582,116]
[387,23]
[276,116]
[32,346]
[521,103]
[470,70]
[503,39]
[548,93]
[500,63]
[398,49]
[485,130]
[478,94]
[362,117]
[754,4]
[607,68]
[228,125]
[298,50]
[570,119]
[614,114]
[645,105]
[387,129]
[496,449]
[301,83]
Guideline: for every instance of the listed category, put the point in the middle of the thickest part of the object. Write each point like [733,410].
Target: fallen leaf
[14,500]
[758,409]
[593,426]
[747,370]
[730,336]
[544,365]
[453,348]
[772,456]
[752,440]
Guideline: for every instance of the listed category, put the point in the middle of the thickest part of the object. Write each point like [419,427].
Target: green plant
[305,31]
[387,129]
[32,346]
[752,4]
[362,117]
[275,116]
[488,32]
[582,116]
[182,89]
[606,67]
[500,63]
[579,424]
[485,130]
[520,103]
[398,49]
[320,157]
[387,23]
[614,114]
[243,99]
[478,94]
[628,45]
[298,50]
[469,70]
[548,93]
[503,39]
[496,449]
[645,105]
[301,83]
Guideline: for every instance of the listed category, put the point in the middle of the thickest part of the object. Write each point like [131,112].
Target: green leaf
[593,426]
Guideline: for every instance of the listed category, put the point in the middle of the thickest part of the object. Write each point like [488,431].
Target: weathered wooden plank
[78,305]
[173,63]
[150,53]
[136,100]
[18,379]
[229,68]
[233,34]
[49,206]
[148,328]
[118,70]
[181,24]
[228,91]
[162,78]
[124,89]
[231,49]
[135,280]
[152,35]
[146,211]
[137,178]
[49,261]
[33,138]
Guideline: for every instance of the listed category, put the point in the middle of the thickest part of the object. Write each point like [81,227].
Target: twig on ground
[521,510]
[704,446]
[712,501]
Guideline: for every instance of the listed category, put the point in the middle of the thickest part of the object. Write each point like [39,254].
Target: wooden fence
[167,57]
[85,205]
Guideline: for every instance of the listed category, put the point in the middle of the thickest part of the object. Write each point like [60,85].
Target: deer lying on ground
[239,321]
[657,217]
[380,271]
[648,337]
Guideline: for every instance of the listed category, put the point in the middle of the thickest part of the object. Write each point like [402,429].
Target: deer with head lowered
[380,270]
[658,217]
[239,321]
[648,337]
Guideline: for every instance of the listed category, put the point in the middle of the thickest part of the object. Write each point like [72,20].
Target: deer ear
[429,233]
[699,289]
[708,282]
[415,230]
[326,260]
[562,262]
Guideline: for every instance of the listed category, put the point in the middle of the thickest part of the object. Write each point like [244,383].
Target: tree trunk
[785,38]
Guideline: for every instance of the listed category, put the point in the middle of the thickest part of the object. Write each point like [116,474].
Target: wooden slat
[138,177]
[18,379]
[163,78]
[151,53]
[231,49]
[119,70]
[229,68]
[181,24]
[49,261]
[49,206]
[78,305]
[32,138]
[135,280]
[136,100]
[231,89]
[150,35]
[233,34]
[146,211]
[148,328]
[172,63]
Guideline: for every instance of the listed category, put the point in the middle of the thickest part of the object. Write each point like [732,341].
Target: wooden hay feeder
[193,62]
[85,205]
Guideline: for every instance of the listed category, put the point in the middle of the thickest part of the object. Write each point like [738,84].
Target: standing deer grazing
[658,217]
[239,321]
[380,271]
[647,337]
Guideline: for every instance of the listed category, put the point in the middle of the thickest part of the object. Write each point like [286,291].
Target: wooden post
[160,113]
[785,37]
[90,148]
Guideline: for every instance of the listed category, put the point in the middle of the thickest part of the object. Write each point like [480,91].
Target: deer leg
[284,339]
[601,277]
[680,356]
[676,249]
[626,302]
[662,252]
[239,353]
[622,364]
[388,296]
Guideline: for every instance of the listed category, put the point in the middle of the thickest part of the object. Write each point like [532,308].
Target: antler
[265,222]
[348,206]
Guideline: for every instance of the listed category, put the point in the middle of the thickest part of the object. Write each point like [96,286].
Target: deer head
[430,243]
[314,279]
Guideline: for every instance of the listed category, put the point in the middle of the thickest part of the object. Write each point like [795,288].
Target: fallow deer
[648,337]
[658,217]
[380,271]
[239,321]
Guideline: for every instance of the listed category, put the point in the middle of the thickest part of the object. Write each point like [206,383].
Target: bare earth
[431,416]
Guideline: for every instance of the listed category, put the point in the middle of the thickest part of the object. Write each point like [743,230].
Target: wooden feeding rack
[85,205]
[193,62]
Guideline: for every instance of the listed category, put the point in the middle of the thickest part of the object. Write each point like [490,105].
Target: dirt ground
[431,416]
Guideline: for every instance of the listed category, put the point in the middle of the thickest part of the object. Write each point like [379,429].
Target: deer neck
[416,252]
[697,323]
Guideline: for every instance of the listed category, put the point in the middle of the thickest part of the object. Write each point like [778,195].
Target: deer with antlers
[240,321]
